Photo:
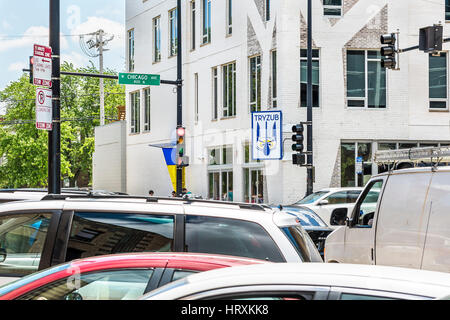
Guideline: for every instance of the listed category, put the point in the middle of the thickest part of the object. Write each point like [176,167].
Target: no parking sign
[44,109]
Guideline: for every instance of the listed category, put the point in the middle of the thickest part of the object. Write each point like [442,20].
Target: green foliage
[24,149]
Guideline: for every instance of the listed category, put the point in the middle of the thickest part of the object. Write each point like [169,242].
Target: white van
[406,225]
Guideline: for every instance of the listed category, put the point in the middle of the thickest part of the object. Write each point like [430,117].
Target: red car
[114,277]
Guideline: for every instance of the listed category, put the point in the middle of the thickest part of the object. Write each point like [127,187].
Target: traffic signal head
[298,137]
[388,52]
[430,38]
[299,159]
[181,159]
[31,62]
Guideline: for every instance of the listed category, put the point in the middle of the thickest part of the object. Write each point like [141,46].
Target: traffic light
[388,52]
[299,159]
[181,159]
[430,38]
[31,62]
[298,137]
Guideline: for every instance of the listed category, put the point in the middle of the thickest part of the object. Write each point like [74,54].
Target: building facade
[250,55]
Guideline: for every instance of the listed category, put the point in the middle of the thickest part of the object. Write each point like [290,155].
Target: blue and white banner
[267,135]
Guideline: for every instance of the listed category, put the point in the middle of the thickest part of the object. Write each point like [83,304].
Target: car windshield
[302,243]
[312,197]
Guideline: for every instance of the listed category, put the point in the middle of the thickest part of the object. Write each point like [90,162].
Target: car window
[125,284]
[230,237]
[353,195]
[366,208]
[302,242]
[352,296]
[179,274]
[22,238]
[312,197]
[95,233]
[337,198]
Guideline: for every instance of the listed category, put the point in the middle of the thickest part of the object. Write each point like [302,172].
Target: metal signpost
[140,79]
[267,135]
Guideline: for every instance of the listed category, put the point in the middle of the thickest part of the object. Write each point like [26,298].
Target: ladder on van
[428,156]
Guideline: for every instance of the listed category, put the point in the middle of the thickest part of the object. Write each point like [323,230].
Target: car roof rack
[413,155]
[250,206]
[80,191]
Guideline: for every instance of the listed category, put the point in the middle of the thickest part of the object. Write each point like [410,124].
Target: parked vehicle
[35,235]
[324,201]
[114,277]
[307,281]
[317,229]
[407,226]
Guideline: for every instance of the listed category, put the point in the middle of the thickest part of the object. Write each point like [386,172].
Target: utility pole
[54,136]
[179,91]
[310,170]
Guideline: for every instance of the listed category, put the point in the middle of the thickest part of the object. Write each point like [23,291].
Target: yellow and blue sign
[267,135]
[170,157]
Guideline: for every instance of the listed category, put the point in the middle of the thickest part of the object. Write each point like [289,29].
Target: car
[400,219]
[324,201]
[307,281]
[35,235]
[114,277]
[317,229]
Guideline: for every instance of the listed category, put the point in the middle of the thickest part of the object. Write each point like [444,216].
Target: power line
[80,95]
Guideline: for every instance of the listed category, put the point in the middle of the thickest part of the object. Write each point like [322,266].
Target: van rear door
[402,219]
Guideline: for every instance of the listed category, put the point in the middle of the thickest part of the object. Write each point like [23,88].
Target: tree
[24,149]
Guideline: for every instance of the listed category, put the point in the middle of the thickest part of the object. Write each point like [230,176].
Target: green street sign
[140,79]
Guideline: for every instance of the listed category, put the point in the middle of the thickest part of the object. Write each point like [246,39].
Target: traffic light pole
[54,136]
[179,92]
[310,171]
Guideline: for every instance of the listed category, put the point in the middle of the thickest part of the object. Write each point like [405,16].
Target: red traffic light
[181,132]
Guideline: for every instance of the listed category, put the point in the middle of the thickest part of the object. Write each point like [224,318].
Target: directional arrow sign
[140,79]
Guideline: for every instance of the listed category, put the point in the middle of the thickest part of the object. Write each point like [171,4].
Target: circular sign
[41,97]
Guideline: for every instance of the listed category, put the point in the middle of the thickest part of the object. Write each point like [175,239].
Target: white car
[307,281]
[324,201]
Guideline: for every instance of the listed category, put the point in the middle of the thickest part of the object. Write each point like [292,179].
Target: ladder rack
[413,155]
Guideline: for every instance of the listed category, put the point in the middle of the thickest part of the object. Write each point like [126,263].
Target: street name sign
[42,66]
[44,109]
[140,79]
[267,135]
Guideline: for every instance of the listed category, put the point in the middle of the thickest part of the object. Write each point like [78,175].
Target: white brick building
[355,115]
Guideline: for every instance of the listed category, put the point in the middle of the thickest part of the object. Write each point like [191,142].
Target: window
[366,207]
[125,284]
[366,79]
[332,8]
[180,274]
[356,164]
[215,92]
[267,9]
[135,100]
[230,237]
[255,83]
[206,21]
[157,39]
[229,89]
[274,79]
[196,96]
[22,238]
[147,110]
[220,173]
[131,50]
[438,81]
[351,296]
[447,10]
[229,17]
[304,77]
[193,25]
[99,233]
[173,35]
[254,178]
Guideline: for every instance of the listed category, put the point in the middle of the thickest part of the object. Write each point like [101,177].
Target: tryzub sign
[267,135]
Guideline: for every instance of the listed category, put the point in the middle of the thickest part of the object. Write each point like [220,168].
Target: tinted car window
[312,197]
[95,233]
[230,237]
[22,239]
[179,274]
[337,198]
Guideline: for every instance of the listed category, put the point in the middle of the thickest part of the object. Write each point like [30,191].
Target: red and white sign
[42,66]
[44,109]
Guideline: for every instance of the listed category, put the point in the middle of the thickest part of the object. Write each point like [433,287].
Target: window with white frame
[135,105]
[147,110]
[206,21]
[304,77]
[229,89]
[131,50]
[229,17]
[215,93]
[438,81]
[332,8]
[220,173]
[351,153]
[447,10]
[255,83]
[267,10]
[255,184]
[173,32]
[157,39]
[366,79]
[274,79]
[193,25]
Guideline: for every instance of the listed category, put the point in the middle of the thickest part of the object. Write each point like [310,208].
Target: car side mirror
[323,202]
[2,255]
[73,296]
[339,217]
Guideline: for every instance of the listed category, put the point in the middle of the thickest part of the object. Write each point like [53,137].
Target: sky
[25,22]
